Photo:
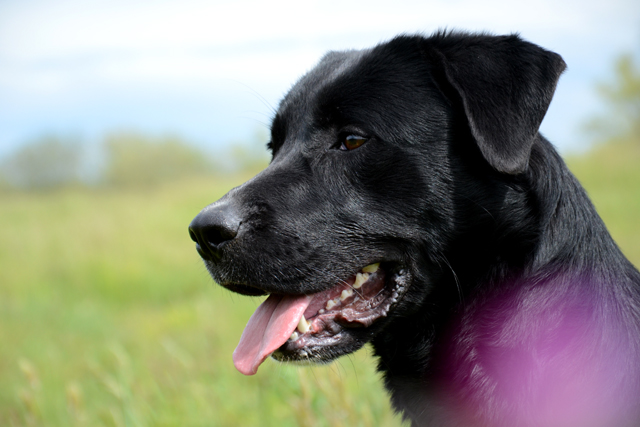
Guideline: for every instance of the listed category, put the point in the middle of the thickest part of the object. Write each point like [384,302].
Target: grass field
[108,318]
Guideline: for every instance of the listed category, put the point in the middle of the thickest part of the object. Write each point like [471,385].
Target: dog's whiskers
[455,278]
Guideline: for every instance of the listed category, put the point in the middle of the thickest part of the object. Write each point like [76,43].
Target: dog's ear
[505,85]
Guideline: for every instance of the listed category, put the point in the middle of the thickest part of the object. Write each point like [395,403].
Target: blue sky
[212,71]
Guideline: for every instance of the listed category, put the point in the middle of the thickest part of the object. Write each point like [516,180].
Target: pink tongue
[270,326]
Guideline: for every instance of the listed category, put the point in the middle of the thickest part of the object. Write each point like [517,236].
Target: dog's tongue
[270,326]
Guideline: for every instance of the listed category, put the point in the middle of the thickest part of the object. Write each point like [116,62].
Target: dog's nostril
[214,226]
[193,235]
[217,234]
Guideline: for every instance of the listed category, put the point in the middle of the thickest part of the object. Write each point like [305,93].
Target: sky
[213,72]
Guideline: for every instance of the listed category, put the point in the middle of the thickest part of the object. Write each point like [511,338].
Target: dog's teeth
[330,304]
[303,325]
[371,268]
[294,336]
[360,279]
[346,294]
[321,311]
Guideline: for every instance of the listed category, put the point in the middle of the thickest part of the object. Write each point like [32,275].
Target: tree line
[121,159]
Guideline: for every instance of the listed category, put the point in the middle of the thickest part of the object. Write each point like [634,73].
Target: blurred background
[120,120]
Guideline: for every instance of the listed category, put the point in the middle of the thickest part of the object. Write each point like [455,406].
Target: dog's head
[380,157]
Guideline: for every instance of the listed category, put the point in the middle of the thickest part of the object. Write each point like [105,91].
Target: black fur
[519,308]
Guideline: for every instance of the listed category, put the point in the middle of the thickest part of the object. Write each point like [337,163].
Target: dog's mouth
[313,327]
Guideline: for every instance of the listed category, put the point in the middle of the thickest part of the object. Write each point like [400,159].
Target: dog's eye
[352,142]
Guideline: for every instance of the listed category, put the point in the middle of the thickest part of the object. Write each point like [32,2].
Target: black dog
[412,203]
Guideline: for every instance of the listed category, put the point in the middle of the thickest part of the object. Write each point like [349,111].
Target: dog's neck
[549,240]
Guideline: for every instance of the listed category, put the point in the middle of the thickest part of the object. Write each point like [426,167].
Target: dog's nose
[214,226]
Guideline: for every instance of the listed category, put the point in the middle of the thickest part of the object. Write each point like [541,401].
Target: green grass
[611,175]
[108,318]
